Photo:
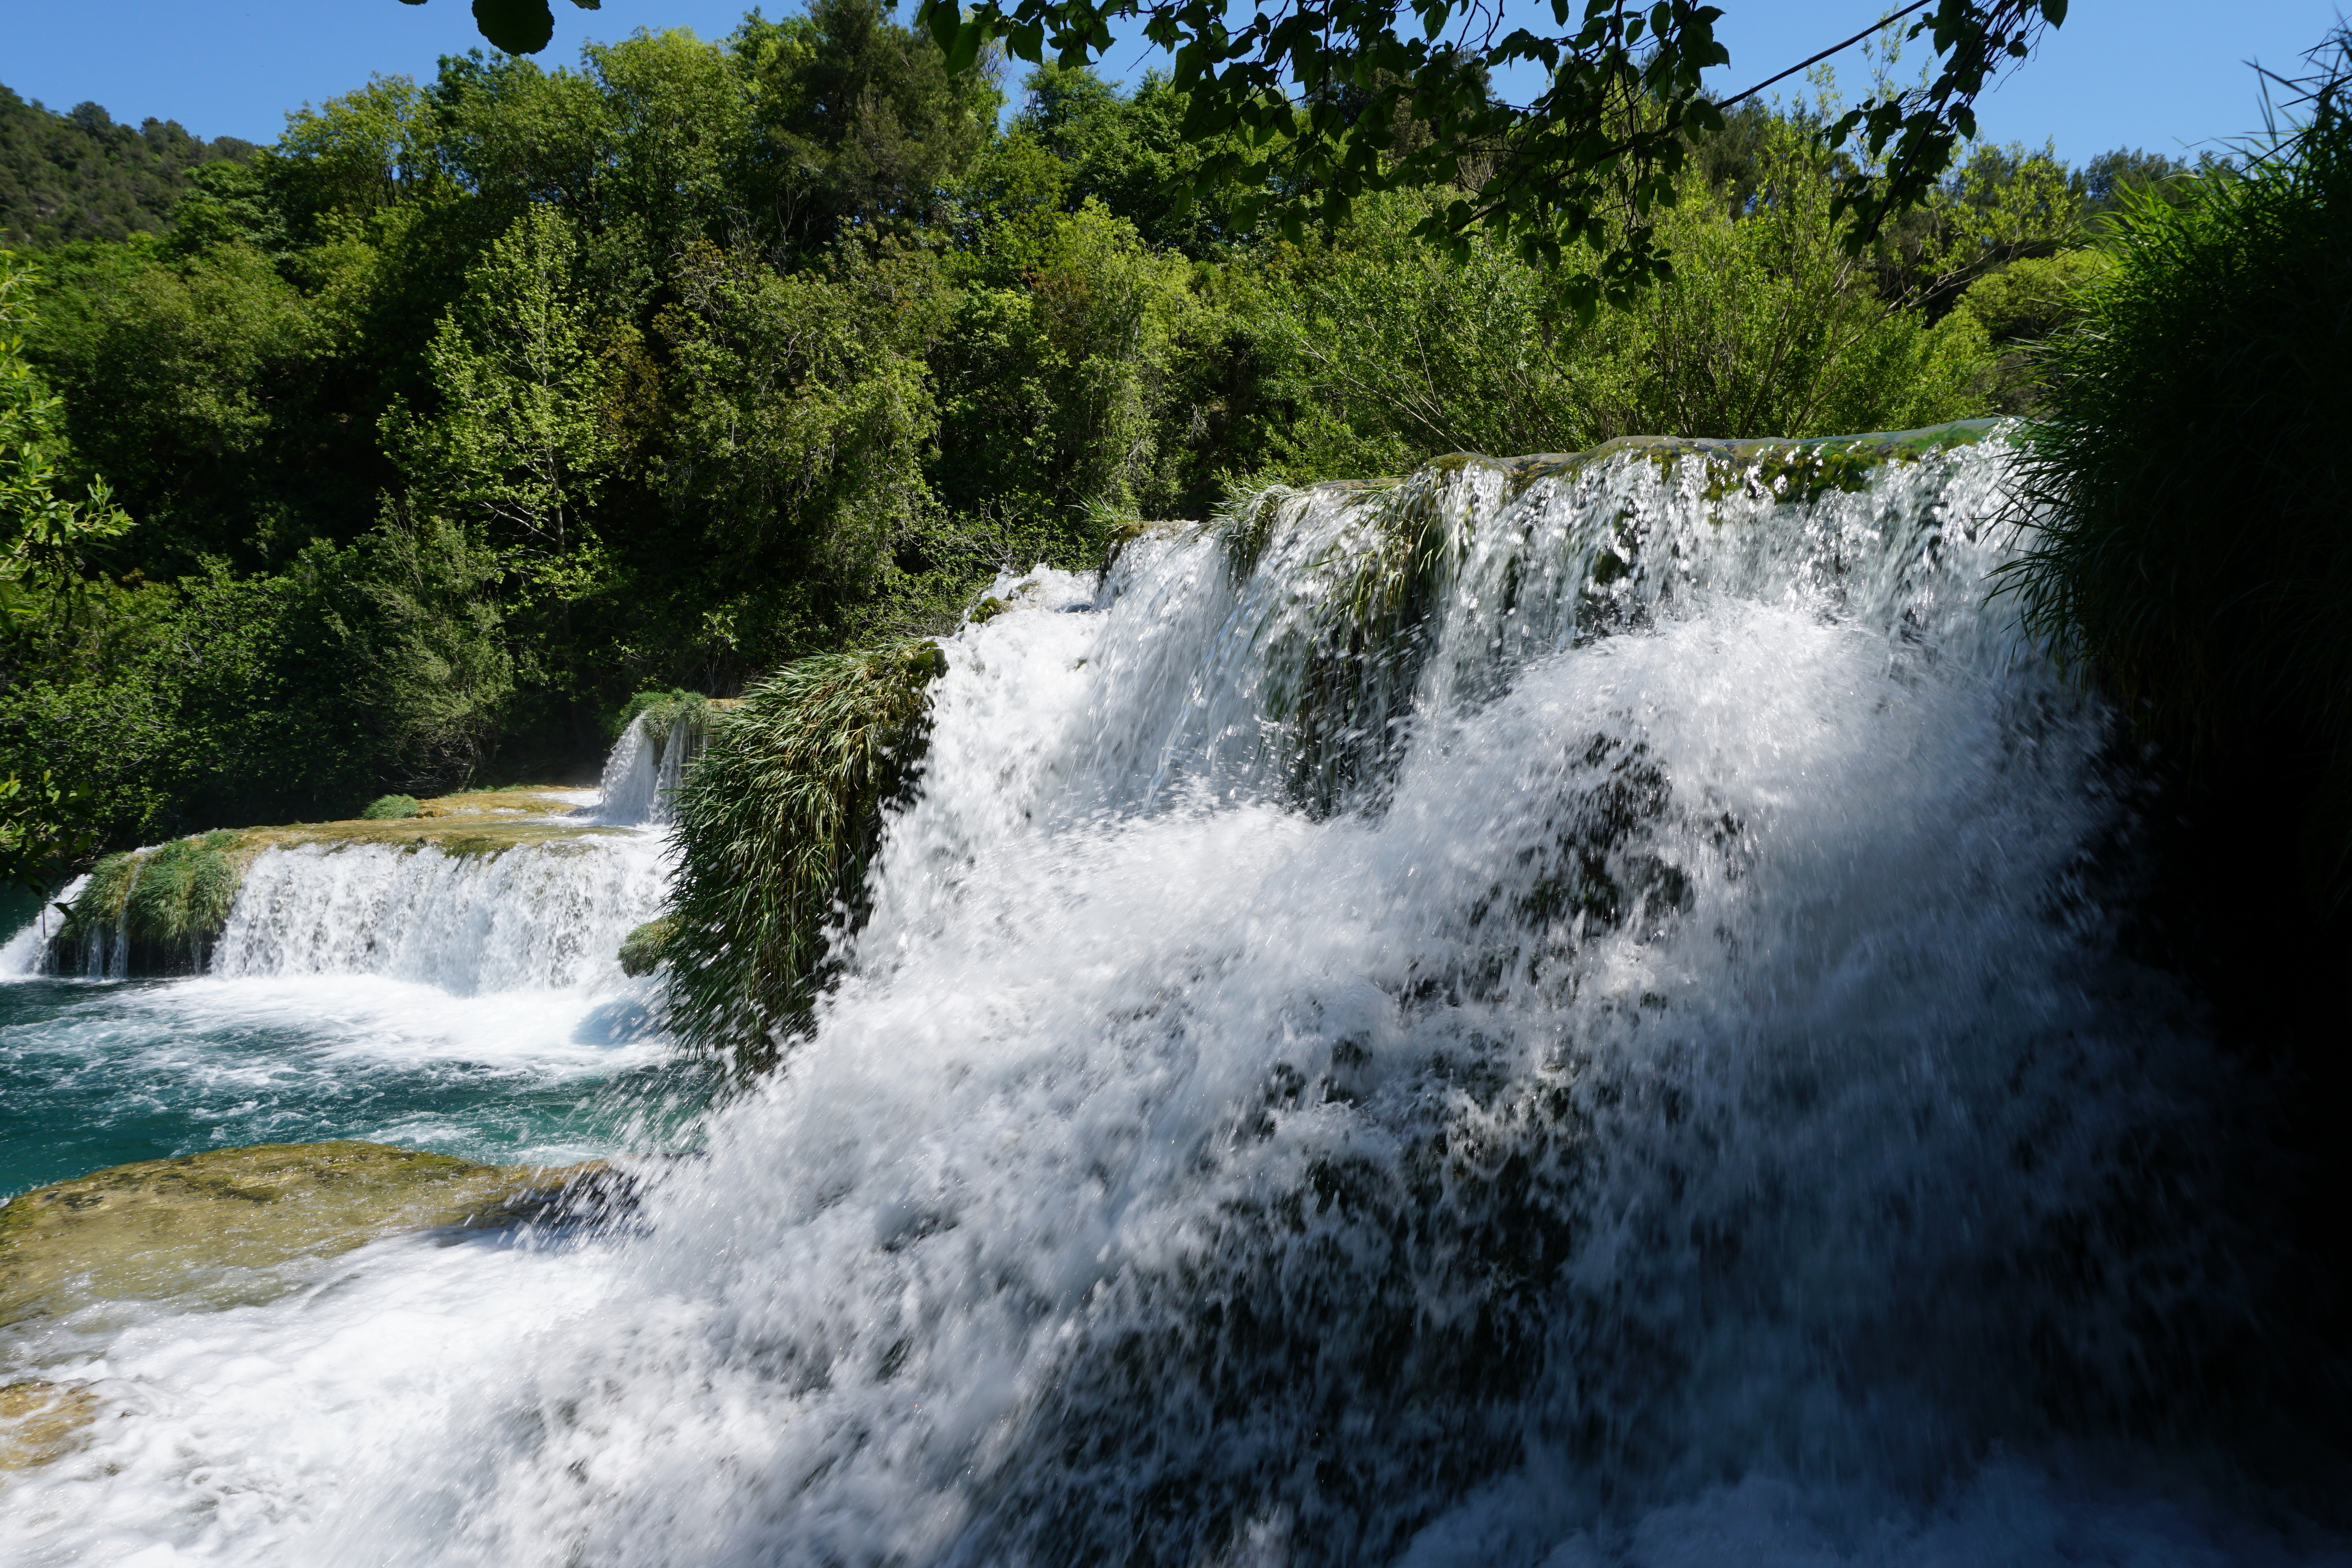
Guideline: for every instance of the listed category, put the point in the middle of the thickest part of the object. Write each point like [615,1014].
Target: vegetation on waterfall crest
[645,948]
[2192,552]
[657,713]
[776,826]
[396,455]
[153,911]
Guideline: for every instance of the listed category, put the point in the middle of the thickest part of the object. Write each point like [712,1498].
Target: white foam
[22,954]
[1593,1149]
[538,916]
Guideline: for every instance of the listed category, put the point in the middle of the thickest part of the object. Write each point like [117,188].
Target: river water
[1601,1044]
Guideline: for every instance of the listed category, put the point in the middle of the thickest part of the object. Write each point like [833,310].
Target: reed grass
[168,905]
[776,826]
[2189,486]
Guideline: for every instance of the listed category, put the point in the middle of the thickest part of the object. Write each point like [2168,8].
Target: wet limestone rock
[42,1421]
[223,1225]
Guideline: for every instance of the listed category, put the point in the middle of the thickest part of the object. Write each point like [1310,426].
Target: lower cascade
[1562,1012]
[552,916]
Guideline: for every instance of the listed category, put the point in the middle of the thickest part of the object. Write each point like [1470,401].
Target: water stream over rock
[1563,1013]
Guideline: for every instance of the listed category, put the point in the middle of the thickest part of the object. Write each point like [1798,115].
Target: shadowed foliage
[2194,551]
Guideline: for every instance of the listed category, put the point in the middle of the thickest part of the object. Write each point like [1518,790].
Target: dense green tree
[803,408]
[44,535]
[1312,105]
[45,531]
[856,122]
[81,176]
[473,405]
[1127,151]
[189,380]
[1057,375]
[522,442]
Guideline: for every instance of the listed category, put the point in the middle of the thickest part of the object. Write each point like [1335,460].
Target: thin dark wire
[1802,65]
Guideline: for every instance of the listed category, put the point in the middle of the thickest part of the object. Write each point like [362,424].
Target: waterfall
[544,907]
[647,763]
[1554,1014]
[22,954]
[539,916]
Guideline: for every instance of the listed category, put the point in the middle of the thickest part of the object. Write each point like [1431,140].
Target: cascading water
[543,917]
[1552,1018]
[646,766]
[463,994]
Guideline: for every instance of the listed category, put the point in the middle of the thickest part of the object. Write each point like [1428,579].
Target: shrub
[2193,552]
[157,912]
[643,950]
[776,826]
[389,808]
[2021,306]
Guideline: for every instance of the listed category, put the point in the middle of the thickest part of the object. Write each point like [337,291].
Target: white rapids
[1646,1086]
[541,916]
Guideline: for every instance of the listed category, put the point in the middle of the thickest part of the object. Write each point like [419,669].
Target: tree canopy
[1312,105]
[475,404]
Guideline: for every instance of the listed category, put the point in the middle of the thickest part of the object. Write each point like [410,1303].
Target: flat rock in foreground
[42,1421]
[221,1224]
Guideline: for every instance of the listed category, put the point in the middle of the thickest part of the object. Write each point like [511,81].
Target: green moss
[657,713]
[777,824]
[390,807]
[1336,684]
[95,912]
[643,950]
[1788,470]
[1245,525]
[1130,530]
[166,906]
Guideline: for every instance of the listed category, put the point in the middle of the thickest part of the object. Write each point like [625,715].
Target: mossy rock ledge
[159,911]
[230,1227]
[1791,468]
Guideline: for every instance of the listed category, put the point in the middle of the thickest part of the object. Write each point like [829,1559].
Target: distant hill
[80,176]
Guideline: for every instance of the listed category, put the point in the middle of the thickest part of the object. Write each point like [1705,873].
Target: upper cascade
[649,758]
[1337,619]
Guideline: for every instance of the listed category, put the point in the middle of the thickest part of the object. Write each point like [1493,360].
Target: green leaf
[518,26]
[939,18]
[966,48]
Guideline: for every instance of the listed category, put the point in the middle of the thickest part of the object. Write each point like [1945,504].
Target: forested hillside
[473,405]
[80,176]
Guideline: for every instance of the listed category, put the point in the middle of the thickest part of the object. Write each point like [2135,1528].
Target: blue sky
[2164,75]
